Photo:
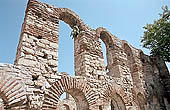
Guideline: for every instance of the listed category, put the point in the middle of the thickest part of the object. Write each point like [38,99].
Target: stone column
[38,50]
[38,46]
[89,60]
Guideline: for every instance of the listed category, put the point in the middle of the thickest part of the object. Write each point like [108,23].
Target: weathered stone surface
[27,62]
[54,45]
[28,50]
[131,80]
[44,41]
[40,44]
[52,62]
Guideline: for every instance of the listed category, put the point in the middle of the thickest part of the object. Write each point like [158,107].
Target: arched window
[113,47]
[104,53]
[105,41]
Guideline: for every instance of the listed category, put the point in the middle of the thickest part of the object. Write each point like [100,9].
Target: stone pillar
[119,69]
[89,60]
[38,50]
[117,63]
[38,46]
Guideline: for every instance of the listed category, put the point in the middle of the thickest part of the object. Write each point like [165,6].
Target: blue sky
[123,18]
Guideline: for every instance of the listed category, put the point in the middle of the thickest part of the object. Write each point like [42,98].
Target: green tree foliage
[157,36]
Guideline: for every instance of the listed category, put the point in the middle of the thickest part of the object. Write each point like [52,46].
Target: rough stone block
[40,44]
[54,45]
[44,41]
[26,62]
[52,62]
[28,50]
[55,76]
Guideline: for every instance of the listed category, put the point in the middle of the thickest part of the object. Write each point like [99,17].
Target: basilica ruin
[131,80]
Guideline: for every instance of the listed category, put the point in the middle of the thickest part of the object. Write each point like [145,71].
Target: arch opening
[66,85]
[117,103]
[80,99]
[66,50]
[111,49]
[1,104]
[69,19]
[66,102]
[100,107]
[141,102]
[106,44]
[104,53]
[66,107]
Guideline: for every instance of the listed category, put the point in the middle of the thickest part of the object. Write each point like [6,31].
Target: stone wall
[131,80]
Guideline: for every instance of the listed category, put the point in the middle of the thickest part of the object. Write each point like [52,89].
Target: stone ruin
[130,81]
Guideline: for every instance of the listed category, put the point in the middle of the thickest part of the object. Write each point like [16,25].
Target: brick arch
[130,52]
[105,36]
[71,18]
[118,103]
[145,63]
[12,92]
[55,14]
[114,94]
[116,98]
[76,87]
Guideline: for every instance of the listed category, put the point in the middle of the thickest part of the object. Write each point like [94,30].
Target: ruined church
[131,80]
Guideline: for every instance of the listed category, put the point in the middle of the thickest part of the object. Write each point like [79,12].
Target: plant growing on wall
[75,32]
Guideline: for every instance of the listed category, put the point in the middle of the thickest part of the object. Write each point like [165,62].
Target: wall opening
[100,107]
[74,99]
[117,103]
[1,104]
[112,105]
[104,52]
[107,46]
[66,50]
[79,98]
[66,102]
[141,101]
